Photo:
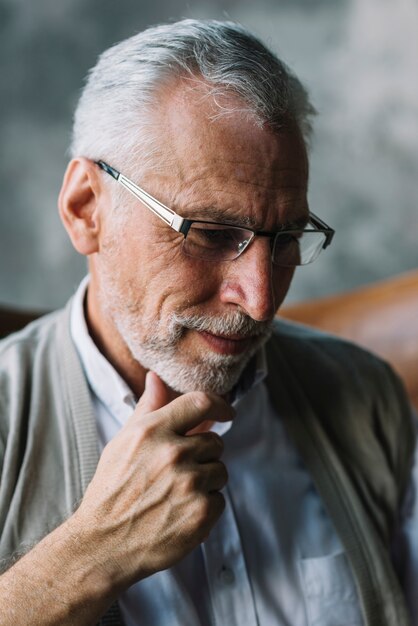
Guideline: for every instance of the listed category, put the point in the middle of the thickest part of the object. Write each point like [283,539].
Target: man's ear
[81,195]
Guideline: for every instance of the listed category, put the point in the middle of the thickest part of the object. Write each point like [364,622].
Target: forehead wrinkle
[270,188]
[189,191]
[273,181]
[242,160]
[223,215]
[214,205]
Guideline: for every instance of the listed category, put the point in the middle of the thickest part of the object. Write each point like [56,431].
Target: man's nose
[248,281]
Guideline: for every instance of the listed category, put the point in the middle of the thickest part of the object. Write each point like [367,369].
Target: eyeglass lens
[221,242]
[215,241]
[299,248]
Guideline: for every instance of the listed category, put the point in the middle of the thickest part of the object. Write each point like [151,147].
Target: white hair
[114,117]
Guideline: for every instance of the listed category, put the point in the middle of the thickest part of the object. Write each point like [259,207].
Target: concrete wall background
[359,59]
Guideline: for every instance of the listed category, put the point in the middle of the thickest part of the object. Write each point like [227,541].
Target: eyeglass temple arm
[174,220]
[329,232]
[167,215]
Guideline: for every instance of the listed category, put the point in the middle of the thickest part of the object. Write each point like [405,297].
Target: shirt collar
[110,388]
[105,382]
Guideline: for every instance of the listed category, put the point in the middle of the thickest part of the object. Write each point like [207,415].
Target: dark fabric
[112,617]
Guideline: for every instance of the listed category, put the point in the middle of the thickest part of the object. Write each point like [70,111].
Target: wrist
[98,574]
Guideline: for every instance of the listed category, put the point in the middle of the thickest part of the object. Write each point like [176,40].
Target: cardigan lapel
[378,588]
[84,425]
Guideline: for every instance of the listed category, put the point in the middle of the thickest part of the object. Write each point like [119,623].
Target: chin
[186,364]
[211,374]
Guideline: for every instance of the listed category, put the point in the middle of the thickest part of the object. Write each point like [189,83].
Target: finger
[183,413]
[211,477]
[191,409]
[217,501]
[215,505]
[156,394]
[204,447]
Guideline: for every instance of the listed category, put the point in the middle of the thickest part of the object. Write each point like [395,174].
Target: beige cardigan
[345,410]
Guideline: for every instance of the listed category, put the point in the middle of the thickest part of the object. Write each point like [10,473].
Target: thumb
[156,394]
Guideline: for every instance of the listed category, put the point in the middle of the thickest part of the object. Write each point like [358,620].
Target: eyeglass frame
[182,224]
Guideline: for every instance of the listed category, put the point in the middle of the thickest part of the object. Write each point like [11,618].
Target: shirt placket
[229,585]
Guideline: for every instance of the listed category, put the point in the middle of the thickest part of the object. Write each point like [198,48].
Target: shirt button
[226,576]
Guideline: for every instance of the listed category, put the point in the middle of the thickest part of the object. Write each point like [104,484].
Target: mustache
[231,324]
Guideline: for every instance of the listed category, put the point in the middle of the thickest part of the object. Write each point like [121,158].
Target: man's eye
[213,236]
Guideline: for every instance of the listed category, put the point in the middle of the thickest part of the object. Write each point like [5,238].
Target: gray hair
[113,120]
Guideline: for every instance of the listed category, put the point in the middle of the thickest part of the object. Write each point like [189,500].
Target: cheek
[148,254]
[155,275]
[173,281]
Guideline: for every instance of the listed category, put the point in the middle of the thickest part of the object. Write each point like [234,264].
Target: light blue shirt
[273,558]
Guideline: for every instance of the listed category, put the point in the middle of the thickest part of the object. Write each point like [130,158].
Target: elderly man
[187,192]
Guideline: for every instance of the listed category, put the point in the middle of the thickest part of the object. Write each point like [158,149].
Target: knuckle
[190,482]
[170,453]
[147,431]
[201,400]
[203,513]
[215,439]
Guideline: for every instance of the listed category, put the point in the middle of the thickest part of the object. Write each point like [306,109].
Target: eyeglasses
[216,241]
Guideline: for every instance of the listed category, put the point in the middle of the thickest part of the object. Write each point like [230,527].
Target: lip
[231,344]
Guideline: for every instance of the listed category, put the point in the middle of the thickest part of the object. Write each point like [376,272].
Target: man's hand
[155,495]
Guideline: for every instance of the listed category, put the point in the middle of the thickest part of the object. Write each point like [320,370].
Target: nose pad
[245,244]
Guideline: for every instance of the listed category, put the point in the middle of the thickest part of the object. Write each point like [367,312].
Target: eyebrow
[213,214]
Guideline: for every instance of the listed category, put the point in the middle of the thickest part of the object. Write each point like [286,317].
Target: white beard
[205,372]
[159,349]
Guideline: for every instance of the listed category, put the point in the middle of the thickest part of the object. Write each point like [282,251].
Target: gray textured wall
[358,58]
